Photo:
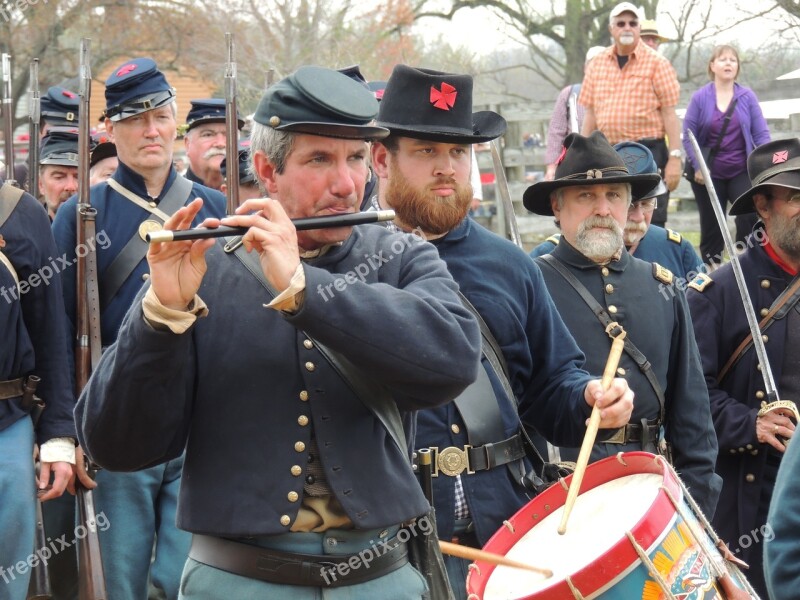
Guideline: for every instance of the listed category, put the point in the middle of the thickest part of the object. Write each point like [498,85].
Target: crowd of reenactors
[190,444]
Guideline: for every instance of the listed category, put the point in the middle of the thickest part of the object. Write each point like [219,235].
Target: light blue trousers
[201,582]
[139,511]
[17,509]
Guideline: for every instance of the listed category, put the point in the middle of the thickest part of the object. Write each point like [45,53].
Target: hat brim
[486,126]
[337,130]
[537,197]
[196,122]
[744,204]
[660,188]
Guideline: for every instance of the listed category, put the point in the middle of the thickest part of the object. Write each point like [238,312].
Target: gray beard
[599,245]
[785,234]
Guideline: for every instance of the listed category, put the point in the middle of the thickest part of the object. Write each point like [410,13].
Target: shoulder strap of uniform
[674,236]
[9,198]
[662,274]
[605,320]
[701,281]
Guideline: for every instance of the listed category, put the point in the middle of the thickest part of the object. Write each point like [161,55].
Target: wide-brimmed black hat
[773,163]
[586,161]
[435,106]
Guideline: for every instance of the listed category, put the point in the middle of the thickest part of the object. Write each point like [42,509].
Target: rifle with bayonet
[8,119]
[34,127]
[91,580]
[231,129]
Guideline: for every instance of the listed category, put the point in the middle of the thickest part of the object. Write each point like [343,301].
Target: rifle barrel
[34,128]
[326,222]
[231,129]
[8,118]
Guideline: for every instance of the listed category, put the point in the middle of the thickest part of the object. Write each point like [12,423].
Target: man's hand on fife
[271,234]
[177,268]
[615,404]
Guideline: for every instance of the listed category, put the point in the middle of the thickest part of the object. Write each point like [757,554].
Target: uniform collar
[131,180]
[778,260]
[567,253]
[458,233]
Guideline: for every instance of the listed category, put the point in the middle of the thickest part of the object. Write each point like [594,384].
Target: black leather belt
[453,461]
[291,568]
[13,388]
[632,433]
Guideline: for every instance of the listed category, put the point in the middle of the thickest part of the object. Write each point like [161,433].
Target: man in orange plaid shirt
[630,93]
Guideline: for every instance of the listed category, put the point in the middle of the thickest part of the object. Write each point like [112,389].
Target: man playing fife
[424,170]
[753,441]
[590,197]
[277,391]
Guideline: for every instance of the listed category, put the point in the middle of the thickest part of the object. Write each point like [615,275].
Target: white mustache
[213,152]
[626,39]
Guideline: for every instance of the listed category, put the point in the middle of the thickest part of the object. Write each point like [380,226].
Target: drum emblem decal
[685,568]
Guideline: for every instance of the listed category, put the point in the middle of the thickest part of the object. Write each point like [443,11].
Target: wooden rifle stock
[91,579]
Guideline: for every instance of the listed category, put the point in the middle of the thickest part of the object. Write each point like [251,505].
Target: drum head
[619,495]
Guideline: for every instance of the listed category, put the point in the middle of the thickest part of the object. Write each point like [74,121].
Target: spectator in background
[650,35]
[630,93]
[103,161]
[726,118]
[560,121]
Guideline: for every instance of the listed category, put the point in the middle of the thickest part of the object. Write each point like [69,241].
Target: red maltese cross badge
[126,69]
[444,98]
[780,157]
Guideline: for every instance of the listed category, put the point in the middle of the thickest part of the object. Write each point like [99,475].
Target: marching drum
[634,532]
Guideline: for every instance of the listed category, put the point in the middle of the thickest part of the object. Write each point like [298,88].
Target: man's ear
[761,203]
[554,206]
[110,129]
[380,160]
[265,171]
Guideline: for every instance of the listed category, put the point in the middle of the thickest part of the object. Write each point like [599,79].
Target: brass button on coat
[145,276]
[304,396]
[759,394]
[297,470]
[292,496]
[750,478]
[764,312]
[620,371]
[765,283]
[308,344]
[455,428]
[604,271]
[310,366]
[609,289]
[302,420]
[285,520]
[299,446]
[612,309]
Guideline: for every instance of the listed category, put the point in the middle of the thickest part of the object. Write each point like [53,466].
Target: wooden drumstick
[594,424]
[474,554]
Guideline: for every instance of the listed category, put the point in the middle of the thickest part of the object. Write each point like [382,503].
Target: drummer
[590,198]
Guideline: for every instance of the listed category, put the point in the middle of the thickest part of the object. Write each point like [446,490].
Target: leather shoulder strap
[9,198]
[605,320]
[136,249]
[782,305]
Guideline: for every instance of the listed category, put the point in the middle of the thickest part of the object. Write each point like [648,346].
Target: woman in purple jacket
[746,129]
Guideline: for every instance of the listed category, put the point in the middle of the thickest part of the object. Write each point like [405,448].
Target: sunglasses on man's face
[621,24]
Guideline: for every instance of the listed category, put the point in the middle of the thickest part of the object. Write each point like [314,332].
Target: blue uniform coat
[659,324]
[544,362]
[721,325]
[232,389]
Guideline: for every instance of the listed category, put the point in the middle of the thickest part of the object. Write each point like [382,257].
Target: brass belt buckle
[618,437]
[452,461]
